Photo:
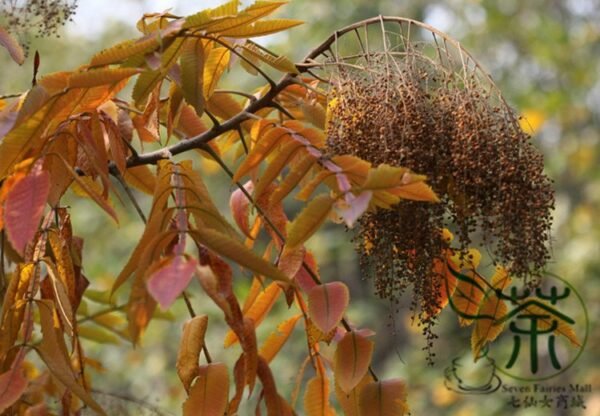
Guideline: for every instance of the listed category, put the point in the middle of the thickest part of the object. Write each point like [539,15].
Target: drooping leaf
[141,178]
[53,352]
[467,298]
[283,158]
[24,208]
[12,46]
[236,251]
[277,339]
[309,220]
[281,63]
[265,144]
[13,384]
[192,70]
[316,397]
[192,342]
[167,283]
[239,204]
[291,260]
[209,394]
[297,172]
[258,310]
[125,50]
[351,360]
[383,398]
[327,304]
[214,66]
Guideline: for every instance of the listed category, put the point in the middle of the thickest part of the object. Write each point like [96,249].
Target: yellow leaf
[281,63]
[237,251]
[277,339]
[487,329]
[192,69]
[97,77]
[141,178]
[210,392]
[214,66]
[316,397]
[563,328]
[283,158]
[261,28]
[309,220]
[125,50]
[192,342]
[383,398]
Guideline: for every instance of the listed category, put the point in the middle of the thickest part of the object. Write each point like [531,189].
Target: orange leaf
[350,402]
[488,329]
[259,309]
[467,298]
[383,398]
[327,304]
[141,178]
[291,260]
[24,208]
[192,341]
[352,359]
[210,393]
[316,397]
[277,339]
[266,143]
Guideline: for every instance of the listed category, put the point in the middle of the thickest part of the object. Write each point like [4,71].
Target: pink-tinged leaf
[291,260]
[327,304]
[353,207]
[240,207]
[167,283]
[13,47]
[352,359]
[209,393]
[383,398]
[303,277]
[24,208]
[12,386]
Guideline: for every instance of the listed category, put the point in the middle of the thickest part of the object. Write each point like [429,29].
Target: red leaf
[327,304]
[12,385]
[24,208]
[169,281]
[240,206]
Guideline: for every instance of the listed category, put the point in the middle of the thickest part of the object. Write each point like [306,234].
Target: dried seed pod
[429,107]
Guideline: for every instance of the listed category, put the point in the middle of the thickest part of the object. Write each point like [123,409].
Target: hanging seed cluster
[43,17]
[410,111]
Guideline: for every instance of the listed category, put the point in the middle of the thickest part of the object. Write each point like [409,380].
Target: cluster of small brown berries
[489,177]
[43,18]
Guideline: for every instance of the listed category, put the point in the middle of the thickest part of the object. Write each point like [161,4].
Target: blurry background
[545,57]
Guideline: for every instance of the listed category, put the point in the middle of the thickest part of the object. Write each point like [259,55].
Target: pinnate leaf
[327,304]
[210,392]
[352,359]
[383,398]
[261,28]
[24,208]
[167,283]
